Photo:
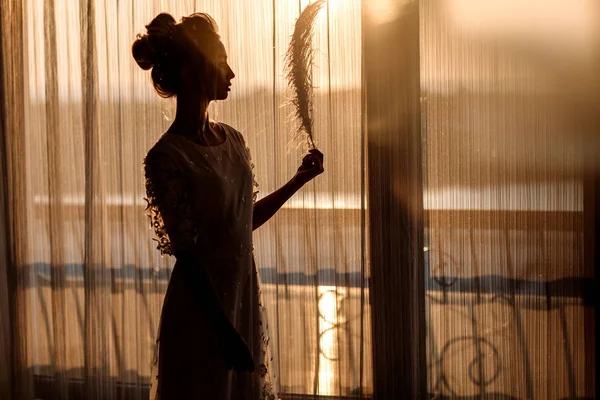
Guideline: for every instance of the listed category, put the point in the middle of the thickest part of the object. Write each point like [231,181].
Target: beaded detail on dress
[254,183]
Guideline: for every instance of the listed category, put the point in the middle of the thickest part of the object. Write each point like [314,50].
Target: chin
[222,96]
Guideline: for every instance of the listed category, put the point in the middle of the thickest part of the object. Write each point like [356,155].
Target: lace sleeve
[168,204]
[255,185]
[254,182]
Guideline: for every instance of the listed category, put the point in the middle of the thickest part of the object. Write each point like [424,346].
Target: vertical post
[6,357]
[591,211]
[395,197]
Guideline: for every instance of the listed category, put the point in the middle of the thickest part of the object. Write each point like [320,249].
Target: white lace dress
[202,198]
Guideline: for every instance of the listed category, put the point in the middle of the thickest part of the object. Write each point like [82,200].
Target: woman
[213,341]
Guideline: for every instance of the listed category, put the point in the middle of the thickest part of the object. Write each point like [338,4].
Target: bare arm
[264,209]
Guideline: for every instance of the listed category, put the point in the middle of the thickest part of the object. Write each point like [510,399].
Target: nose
[230,74]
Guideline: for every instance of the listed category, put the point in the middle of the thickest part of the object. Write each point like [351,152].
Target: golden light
[330,298]
[551,24]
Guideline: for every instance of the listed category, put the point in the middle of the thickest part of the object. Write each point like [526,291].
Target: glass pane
[508,91]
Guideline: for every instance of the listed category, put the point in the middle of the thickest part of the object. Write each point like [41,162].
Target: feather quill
[299,60]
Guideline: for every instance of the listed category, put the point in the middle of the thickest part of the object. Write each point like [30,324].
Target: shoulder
[163,154]
[231,131]
[228,128]
[237,139]
[168,146]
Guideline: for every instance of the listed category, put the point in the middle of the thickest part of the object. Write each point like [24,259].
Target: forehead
[220,49]
[209,48]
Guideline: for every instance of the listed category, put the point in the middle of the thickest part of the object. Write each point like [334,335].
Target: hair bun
[147,48]
[161,25]
[143,53]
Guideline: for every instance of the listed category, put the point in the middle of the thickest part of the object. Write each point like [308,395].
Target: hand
[312,166]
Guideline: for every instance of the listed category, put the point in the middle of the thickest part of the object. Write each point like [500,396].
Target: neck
[191,116]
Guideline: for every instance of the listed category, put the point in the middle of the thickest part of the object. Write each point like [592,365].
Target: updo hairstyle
[167,45]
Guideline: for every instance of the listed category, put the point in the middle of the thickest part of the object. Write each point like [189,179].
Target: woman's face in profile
[216,78]
[224,73]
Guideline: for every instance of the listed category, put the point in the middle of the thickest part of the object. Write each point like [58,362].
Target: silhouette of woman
[213,341]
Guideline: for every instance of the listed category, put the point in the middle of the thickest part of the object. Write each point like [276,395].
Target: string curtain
[89,280]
